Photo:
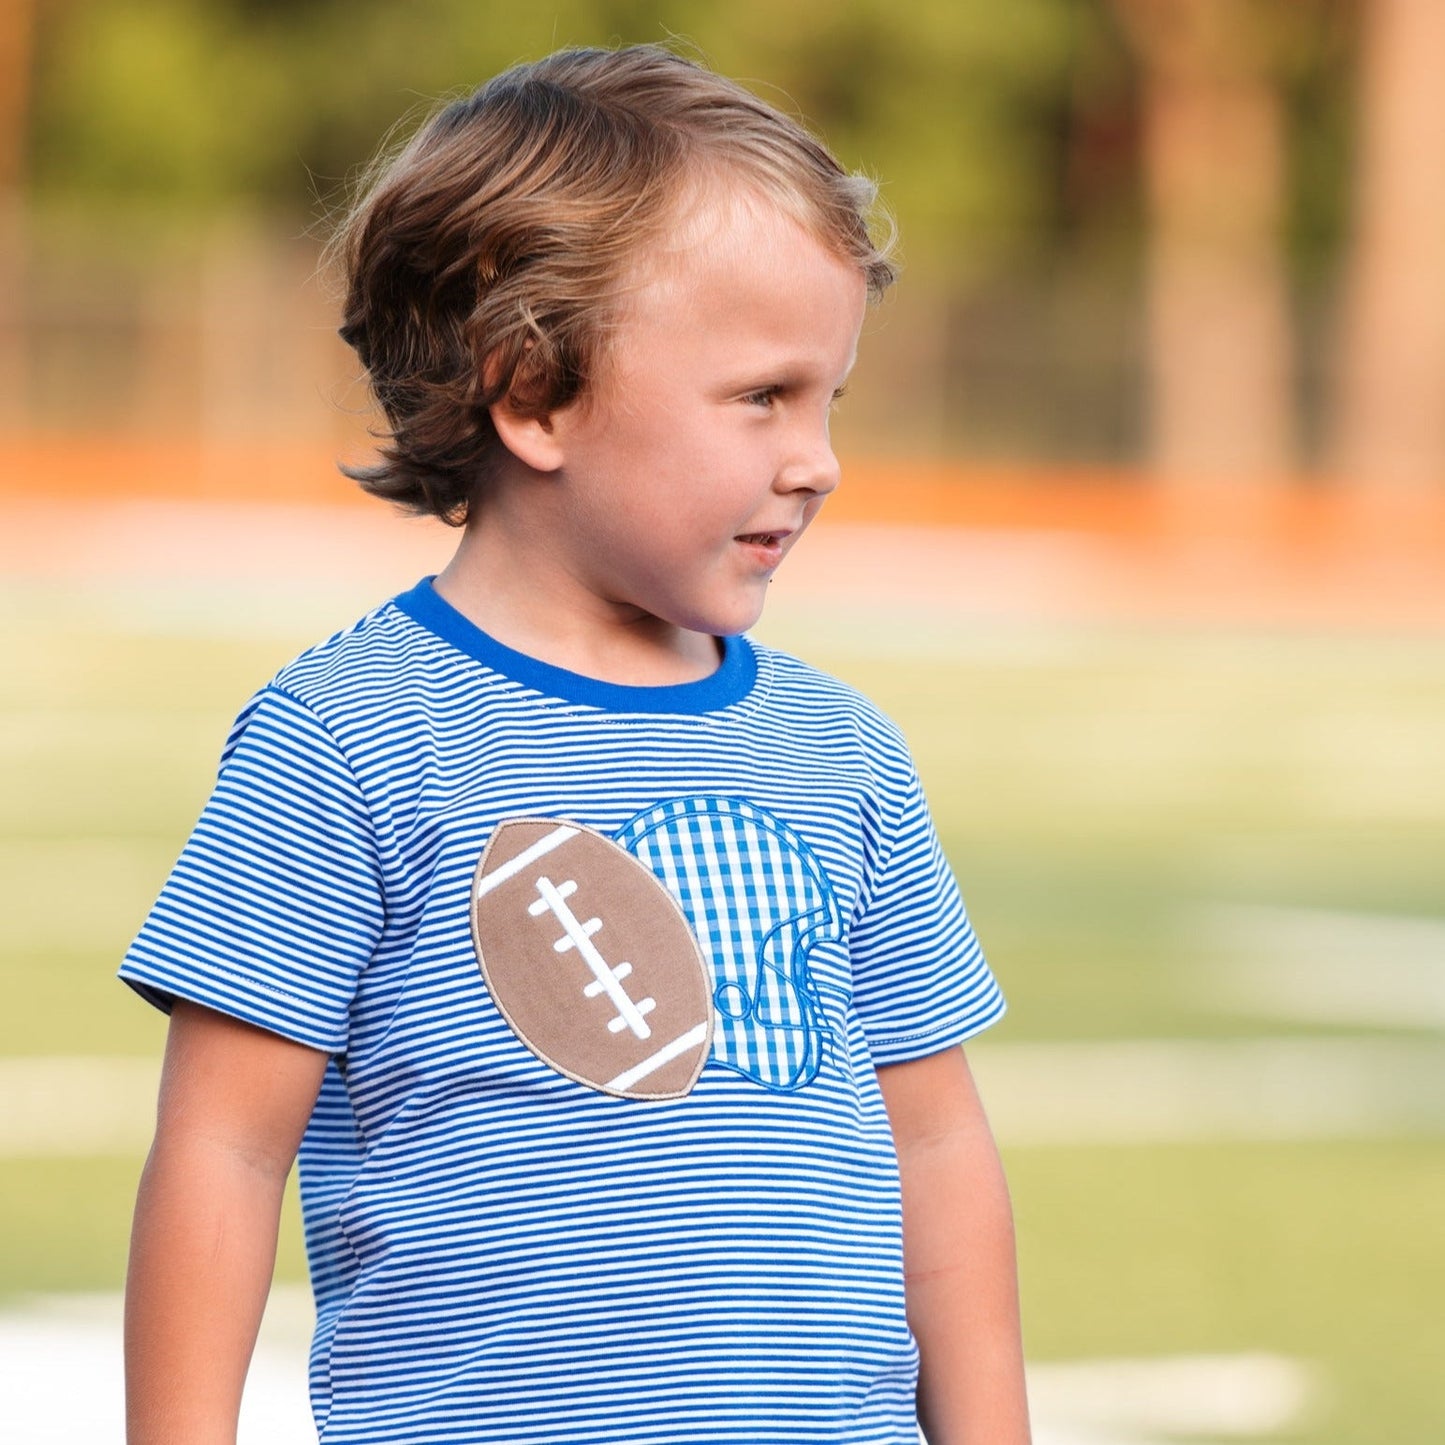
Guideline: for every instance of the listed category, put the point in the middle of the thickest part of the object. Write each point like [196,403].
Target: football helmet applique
[759,903]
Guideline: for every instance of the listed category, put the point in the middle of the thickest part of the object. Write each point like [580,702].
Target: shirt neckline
[733,680]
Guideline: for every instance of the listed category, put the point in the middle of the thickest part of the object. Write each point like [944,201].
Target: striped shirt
[507,1242]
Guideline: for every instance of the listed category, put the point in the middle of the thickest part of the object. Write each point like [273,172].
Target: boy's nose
[813,469]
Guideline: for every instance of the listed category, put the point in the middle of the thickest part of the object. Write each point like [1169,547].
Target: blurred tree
[199,103]
[1221,351]
[954,106]
[17,28]
[17,24]
[1390,403]
[1017,146]
[159,101]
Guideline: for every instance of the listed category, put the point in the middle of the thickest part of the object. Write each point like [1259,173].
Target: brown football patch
[591,960]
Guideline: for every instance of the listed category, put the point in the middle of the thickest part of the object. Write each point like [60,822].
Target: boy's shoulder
[365,658]
[797,682]
[797,672]
[381,674]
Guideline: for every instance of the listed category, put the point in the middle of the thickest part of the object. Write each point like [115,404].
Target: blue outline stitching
[816,1040]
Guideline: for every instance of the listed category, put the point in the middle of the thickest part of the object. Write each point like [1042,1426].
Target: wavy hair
[488,258]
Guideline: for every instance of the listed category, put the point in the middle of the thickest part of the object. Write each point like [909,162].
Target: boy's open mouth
[762,539]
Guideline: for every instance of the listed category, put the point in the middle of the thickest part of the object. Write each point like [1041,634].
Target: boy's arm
[958,1252]
[234,1102]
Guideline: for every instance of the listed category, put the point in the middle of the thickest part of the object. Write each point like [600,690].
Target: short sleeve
[920,981]
[275,904]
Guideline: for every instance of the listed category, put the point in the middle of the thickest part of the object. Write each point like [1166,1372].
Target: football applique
[591,960]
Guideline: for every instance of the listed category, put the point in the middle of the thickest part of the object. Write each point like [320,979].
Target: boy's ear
[530,439]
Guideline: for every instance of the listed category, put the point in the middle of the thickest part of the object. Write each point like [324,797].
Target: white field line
[1153,1091]
[1137,1401]
[77,1106]
[48,1343]
[1323,965]
[1140,1091]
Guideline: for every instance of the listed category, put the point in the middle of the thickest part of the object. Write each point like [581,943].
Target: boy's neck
[496,587]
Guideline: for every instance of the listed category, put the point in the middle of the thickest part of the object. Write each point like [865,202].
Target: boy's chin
[730,621]
[721,614]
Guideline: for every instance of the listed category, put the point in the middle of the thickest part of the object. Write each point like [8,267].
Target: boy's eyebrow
[787,376]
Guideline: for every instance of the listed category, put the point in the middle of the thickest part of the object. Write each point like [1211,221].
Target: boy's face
[694,463]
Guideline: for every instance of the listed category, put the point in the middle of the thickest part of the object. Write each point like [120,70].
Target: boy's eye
[767,395]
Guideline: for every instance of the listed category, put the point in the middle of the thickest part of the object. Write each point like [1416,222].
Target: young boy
[603,964]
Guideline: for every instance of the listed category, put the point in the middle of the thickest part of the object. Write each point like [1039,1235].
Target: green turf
[64,1223]
[1331,1254]
[72,1004]
[1094,790]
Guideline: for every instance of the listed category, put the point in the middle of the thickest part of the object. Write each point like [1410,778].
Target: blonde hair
[488,259]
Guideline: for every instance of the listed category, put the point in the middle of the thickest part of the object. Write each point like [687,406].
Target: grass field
[1102,793]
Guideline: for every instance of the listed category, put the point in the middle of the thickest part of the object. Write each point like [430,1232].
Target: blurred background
[1142,539]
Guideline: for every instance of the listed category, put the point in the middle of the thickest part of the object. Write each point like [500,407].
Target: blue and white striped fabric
[500,1253]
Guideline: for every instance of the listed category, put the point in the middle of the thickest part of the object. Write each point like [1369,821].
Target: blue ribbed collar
[730,684]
